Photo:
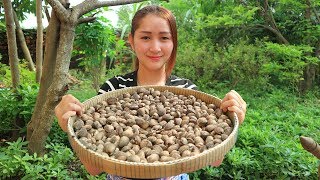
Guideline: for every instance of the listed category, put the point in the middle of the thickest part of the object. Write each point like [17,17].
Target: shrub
[27,77]
[287,63]
[58,163]
[208,65]
[268,145]
[17,107]
[260,65]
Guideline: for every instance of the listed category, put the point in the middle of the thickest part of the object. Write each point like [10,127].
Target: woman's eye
[145,37]
[165,38]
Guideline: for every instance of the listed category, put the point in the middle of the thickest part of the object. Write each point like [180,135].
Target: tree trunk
[55,91]
[39,45]
[311,70]
[51,46]
[309,75]
[12,45]
[58,51]
[46,11]
[23,43]
[313,9]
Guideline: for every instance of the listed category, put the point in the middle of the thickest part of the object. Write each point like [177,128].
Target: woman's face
[152,43]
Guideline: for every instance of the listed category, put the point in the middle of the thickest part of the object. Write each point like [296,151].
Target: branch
[317,50]
[85,20]
[316,14]
[59,9]
[89,5]
[276,32]
[47,13]
[88,19]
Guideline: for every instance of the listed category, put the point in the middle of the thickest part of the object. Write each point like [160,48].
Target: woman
[153,38]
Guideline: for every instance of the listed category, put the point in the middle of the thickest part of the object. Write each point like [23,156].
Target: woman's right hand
[68,106]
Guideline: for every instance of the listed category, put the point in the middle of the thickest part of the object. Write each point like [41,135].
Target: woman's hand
[234,102]
[217,163]
[68,106]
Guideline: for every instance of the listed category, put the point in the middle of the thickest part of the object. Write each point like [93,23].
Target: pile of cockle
[152,126]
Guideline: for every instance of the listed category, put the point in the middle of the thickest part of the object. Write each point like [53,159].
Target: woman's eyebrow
[165,32]
[149,32]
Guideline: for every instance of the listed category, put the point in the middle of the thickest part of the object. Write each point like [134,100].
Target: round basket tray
[157,169]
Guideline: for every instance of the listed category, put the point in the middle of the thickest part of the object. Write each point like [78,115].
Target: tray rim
[74,141]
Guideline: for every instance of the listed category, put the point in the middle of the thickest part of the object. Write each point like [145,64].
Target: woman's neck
[146,77]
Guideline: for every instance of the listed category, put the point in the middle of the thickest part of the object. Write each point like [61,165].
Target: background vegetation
[223,45]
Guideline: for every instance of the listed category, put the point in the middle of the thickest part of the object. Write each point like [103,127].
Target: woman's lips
[155,58]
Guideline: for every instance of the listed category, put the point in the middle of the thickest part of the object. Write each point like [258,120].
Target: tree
[39,44]
[310,72]
[88,36]
[12,45]
[125,14]
[23,43]
[58,49]
[19,9]
[294,24]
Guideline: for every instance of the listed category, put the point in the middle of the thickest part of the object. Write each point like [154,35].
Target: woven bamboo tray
[159,169]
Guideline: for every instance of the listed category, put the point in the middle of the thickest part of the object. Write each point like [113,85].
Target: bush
[209,66]
[27,77]
[260,65]
[268,145]
[58,163]
[17,107]
[287,63]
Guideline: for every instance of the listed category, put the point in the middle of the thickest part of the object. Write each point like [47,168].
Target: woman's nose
[155,46]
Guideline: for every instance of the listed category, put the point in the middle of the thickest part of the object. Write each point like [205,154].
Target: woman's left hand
[234,102]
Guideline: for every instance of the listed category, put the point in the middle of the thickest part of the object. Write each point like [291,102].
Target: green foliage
[287,63]
[256,65]
[119,69]
[21,7]
[27,77]
[83,90]
[185,12]
[58,163]
[17,106]
[268,145]
[125,14]
[94,40]
[97,40]
[230,16]
[2,26]
[224,23]
[208,65]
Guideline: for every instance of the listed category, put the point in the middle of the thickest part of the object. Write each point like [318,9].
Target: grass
[268,144]
[82,90]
